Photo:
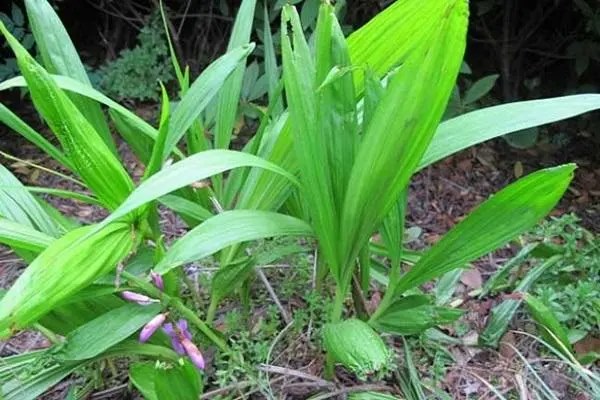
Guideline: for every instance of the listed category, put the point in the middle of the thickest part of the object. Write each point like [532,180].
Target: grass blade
[229,95]
[206,86]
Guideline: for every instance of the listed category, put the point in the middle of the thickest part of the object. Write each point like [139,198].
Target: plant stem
[212,309]
[179,306]
[338,304]
[51,336]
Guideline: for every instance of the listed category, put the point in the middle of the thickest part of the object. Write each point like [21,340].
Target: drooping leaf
[23,237]
[18,125]
[63,269]
[89,154]
[413,314]
[108,329]
[18,205]
[228,228]
[551,329]
[478,126]
[510,212]
[192,169]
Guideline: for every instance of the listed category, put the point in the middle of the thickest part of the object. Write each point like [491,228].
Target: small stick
[273,295]
[295,373]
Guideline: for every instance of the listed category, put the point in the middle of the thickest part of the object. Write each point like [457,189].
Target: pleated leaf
[60,57]
[229,95]
[185,172]
[478,126]
[18,205]
[505,215]
[89,154]
[15,123]
[229,228]
[68,265]
[23,237]
[401,129]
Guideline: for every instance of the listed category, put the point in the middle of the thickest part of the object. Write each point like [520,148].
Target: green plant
[334,166]
[17,25]
[136,72]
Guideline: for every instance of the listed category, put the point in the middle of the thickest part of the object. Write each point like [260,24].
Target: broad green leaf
[108,329]
[18,125]
[143,375]
[31,385]
[478,126]
[413,314]
[23,237]
[382,44]
[192,169]
[400,130]
[356,346]
[186,208]
[229,228]
[124,119]
[60,57]
[551,329]
[199,95]
[505,215]
[91,157]
[81,308]
[62,270]
[229,95]
[18,205]
[229,278]
[386,40]
[181,382]
[172,382]
[480,88]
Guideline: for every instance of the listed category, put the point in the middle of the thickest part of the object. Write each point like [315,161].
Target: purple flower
[193,353]
[137,298]
[175,343]
[181,340]
[151,327]
[157,280]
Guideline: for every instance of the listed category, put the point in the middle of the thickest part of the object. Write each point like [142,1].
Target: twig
[353,389]
[273,295]
[295,373]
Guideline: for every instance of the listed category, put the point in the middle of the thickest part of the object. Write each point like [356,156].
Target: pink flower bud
[157,280]
[193,353]
[151,327]
[137,298]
